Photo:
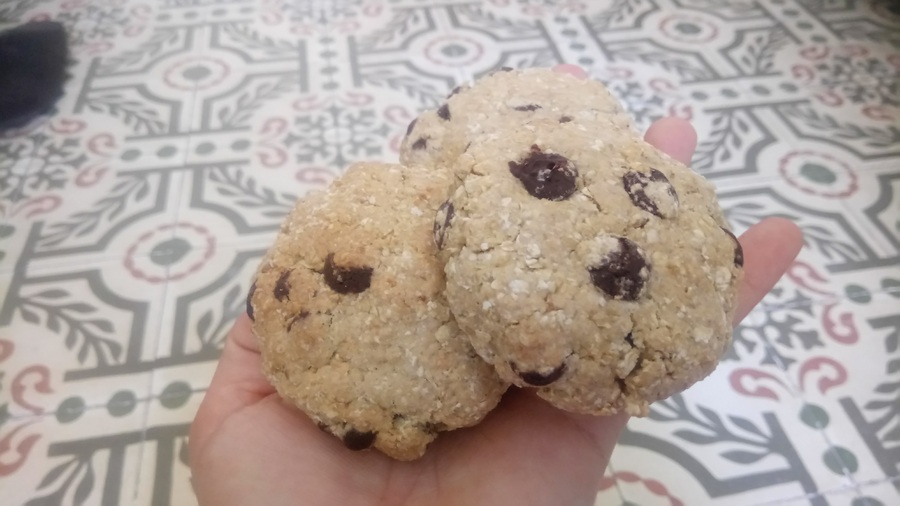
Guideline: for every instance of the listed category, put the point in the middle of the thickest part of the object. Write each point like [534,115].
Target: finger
[769,248]
[237,382]
[674,137]
[573,70]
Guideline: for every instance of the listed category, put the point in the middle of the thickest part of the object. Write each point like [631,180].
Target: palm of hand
[248,447]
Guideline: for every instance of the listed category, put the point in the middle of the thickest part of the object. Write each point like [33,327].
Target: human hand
[249,447]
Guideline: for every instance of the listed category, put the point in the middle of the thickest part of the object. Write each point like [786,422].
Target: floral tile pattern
[132,218]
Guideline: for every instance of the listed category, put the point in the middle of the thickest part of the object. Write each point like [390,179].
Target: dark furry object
[33,59]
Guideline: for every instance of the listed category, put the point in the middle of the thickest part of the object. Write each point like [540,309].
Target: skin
[248,447]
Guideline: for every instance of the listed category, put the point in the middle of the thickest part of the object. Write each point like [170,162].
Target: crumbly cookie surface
[579,259]
[349,309]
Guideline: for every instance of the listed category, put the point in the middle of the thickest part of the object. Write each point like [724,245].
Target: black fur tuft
[33,60]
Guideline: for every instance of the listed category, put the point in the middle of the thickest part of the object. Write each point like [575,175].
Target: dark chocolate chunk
[527,108]
[455,91]
[356,440]
[302,315]
[250,301]
[422,143]
[346,279]
[623,273]
[537,379]
[412,124]
[546,175]
[282,287]
[636,184]
[565,119]
[630,340]
[738,249]
[504,69]
[444,112]
[442,220]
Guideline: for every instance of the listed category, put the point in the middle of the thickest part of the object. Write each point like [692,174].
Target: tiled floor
[133,218]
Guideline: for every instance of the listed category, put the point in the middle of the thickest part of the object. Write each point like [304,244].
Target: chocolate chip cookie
[580,260]
[354,329]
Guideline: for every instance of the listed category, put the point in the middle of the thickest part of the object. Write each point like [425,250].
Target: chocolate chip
[527,108]
[565,119]
[282,287]
[444,112]
[356,440]
[412,124]
[250,301]
[302,315]
[504,69]
[442,220]
[546,175]
[422,143]
[630,340]
[636,184]
[346,279]
[537,379]
[623,272]
[738,249]
[455,91]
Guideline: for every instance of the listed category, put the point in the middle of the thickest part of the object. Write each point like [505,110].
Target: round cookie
[353,326]
[438,137]
[580,260]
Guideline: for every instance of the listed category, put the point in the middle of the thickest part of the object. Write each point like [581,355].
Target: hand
[248,447]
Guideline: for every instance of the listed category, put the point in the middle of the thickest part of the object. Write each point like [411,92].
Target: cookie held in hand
[580,260]
[351,319]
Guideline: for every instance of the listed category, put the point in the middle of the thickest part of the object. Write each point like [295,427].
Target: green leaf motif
[696,437]
[743,457]
[814,416]
[85,486]
[55,473]
[837,459]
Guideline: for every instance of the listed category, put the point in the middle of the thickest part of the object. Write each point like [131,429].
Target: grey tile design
[133,217]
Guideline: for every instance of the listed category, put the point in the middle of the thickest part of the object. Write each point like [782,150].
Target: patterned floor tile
[137,212]
[849,376]
[738,437]
[199,307]
[165,477]
[75,457]
[836,254]
[84,327]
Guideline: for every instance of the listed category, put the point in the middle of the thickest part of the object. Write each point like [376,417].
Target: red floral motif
[72,155]
[20,449]
[805,276]
[850,75]
[33,207]
[319,176]
[750,382]
[271,153]
[35,377]
[14,450]
[839,325]
[830,373]
[654,486]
